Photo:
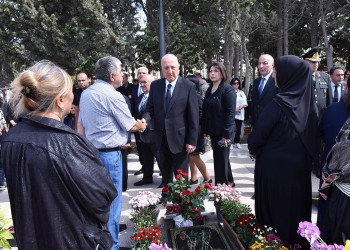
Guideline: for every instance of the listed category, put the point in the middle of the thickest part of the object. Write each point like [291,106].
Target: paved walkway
[243,173]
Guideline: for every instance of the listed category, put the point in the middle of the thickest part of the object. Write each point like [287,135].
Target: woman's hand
[237,110]
[323,195]
[329,179]
[226,142]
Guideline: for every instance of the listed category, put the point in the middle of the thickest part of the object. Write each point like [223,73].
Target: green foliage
[5,223]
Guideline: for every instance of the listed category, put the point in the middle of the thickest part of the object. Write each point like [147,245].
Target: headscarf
[293,77]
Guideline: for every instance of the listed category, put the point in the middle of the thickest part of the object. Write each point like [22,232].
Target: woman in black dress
[219,107]
[283,141]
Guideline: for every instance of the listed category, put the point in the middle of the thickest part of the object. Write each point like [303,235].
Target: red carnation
[178,177]
[186,192]
[165,190]
[208,186]
[198,190]
[199,218]
[185,175]
[195,210]
[179,171]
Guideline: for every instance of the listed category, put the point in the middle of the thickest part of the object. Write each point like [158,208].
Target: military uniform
[322,82]
[322,91]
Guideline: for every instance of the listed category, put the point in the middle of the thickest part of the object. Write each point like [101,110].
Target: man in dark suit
[173,104]
[136,92]
[264,88]
[147,138]
[337,86]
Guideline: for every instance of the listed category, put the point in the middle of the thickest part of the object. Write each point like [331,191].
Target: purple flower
[271,237]
[309,231]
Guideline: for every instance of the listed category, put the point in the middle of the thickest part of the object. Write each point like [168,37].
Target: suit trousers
[125,153]
[222,166]
[169,163]
[139,149]
[149,152]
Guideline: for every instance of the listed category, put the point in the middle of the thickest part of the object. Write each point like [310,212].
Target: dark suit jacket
[180,123]
[219,111]
[148,136]
[259,103]
[342,92]
[134,98]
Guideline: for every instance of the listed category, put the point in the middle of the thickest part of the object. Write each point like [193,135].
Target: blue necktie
[143,101]
[261,87]
[168,96]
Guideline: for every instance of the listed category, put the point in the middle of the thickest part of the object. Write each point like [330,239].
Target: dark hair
[194,79]
[234,80]
[334,68]
[221,68]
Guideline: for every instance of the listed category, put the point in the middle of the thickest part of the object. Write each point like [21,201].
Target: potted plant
[183,202]
[222,192]
[5,234]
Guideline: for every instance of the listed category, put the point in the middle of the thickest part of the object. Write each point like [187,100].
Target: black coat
[60,193]
[219,111]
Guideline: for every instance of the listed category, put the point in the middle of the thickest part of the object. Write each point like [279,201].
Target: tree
[72,34]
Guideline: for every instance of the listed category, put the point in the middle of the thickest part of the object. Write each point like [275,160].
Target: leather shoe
[161,185]
[139,172]
[142,182]
[193,182]
[122,227]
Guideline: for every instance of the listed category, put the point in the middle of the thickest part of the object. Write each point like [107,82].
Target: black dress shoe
[122,227]
[193,182]
[142,182]
[161,185]
[139,172]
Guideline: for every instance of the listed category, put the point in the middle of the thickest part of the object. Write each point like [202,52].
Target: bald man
[264,88]
[83,83]
[173,104]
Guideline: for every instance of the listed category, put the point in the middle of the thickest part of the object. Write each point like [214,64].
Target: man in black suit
[136,92]
[173,104]
[264,88]
[147,139]
[337,86]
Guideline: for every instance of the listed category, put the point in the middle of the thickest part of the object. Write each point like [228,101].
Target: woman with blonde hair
[59,191]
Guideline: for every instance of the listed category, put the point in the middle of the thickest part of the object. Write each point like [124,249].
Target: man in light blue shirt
[105,120]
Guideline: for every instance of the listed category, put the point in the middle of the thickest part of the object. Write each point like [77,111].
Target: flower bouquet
[184,202]
[144,237]
[265,238]
[222,192]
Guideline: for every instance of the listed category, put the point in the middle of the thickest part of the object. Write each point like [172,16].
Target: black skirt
[336,227]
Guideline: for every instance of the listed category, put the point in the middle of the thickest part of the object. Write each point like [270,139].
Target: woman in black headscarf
[283,141]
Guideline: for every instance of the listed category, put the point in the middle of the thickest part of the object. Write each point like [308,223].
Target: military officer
[322,82]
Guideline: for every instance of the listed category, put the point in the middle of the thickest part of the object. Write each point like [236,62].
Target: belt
[108,149]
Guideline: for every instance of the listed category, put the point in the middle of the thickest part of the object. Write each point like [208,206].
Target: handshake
[141,124]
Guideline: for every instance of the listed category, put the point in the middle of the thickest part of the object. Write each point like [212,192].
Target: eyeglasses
[235,83]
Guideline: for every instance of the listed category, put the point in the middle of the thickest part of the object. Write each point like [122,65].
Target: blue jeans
[113,163]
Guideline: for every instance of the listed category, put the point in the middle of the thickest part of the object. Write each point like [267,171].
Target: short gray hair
[106,66]
[137,71]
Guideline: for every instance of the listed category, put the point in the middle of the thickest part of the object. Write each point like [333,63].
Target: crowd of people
[65,160]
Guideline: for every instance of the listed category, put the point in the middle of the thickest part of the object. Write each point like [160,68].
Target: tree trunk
[228,55]
[279,29]
[328,47]
[285,27]
[314,23]
[247,63]
[236,61]
[241,63]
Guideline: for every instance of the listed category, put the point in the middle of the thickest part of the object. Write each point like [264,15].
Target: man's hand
[190,148]
[142,125]
[126,146]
